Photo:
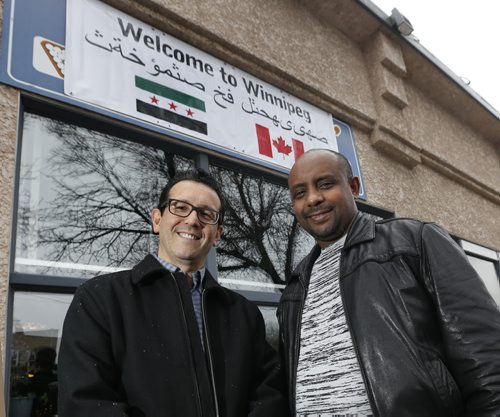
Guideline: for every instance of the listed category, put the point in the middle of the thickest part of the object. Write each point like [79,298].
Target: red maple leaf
[281,146]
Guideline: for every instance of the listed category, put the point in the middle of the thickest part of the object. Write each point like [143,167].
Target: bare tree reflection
[102,190]
[260,230]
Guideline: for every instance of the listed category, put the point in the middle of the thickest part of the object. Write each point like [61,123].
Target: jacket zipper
[356,350]
[297,347]
[193,370]
[209,353]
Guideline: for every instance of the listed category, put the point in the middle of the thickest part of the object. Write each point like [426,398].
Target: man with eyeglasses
[165,339]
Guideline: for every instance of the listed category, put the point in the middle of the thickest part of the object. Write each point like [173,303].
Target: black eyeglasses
[183,209]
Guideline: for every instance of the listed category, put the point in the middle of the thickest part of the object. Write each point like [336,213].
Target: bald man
[382,318]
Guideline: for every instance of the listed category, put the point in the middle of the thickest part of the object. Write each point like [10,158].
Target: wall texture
[8,123]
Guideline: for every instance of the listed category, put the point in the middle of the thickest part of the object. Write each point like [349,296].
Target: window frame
[484,253]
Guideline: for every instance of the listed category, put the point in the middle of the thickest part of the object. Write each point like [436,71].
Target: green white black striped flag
[170,105]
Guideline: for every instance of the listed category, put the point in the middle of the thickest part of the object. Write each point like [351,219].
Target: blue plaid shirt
[198,277]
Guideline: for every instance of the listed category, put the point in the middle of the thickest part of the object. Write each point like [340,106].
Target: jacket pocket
[446,386]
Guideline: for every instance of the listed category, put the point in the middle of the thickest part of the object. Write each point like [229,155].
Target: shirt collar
[335,245]
[172,268]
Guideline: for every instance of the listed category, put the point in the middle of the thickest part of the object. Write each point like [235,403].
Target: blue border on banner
[25,19]
[347,147]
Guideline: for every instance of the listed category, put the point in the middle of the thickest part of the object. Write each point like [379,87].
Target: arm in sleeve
[470,321]
[269,399]
[89,379]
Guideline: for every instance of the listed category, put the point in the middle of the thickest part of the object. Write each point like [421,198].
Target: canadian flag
[265,147]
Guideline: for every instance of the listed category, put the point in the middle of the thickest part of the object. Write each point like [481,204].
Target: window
[272,326]
[486,263]
[85,199]
[36,336]
[262,241]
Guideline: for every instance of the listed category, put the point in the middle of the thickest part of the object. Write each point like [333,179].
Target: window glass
[262,241]
[37,327]
[85,199]
[487,272]
[272,326]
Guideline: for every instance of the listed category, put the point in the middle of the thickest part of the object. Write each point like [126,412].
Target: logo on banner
[280,144]
[48,57]
[170,105]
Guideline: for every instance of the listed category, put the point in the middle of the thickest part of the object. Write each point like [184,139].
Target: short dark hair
[195,175]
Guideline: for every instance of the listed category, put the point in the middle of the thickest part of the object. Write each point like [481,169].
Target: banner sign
[120,63]
[115,65]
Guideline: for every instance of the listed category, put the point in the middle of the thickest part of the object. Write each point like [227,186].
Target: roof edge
[386,20]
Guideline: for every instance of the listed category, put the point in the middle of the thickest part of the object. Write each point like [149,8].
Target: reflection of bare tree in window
[25,219]
[260,232]
[105,188]
[94,195]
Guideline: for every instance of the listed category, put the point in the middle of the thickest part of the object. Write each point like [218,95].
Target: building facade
[78,180]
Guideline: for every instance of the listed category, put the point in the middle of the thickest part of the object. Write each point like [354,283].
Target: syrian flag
[171,106]
[280,144]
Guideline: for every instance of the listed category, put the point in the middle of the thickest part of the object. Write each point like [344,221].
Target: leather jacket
[425,330]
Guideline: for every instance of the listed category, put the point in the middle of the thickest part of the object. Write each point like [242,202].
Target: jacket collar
[362,229]
[149,269]
[303,270]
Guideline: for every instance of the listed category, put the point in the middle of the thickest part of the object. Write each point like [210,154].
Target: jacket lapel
[148,268]
[362,230]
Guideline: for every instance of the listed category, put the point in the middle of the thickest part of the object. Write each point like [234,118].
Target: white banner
[120,63]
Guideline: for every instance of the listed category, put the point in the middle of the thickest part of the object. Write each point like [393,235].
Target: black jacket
[131,347]
[425,330]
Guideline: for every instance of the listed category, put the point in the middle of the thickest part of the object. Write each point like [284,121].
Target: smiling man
[383,318]
[164,339]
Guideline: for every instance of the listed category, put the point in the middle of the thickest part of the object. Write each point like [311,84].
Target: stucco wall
[449,138]
[8,123]
[424,193]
